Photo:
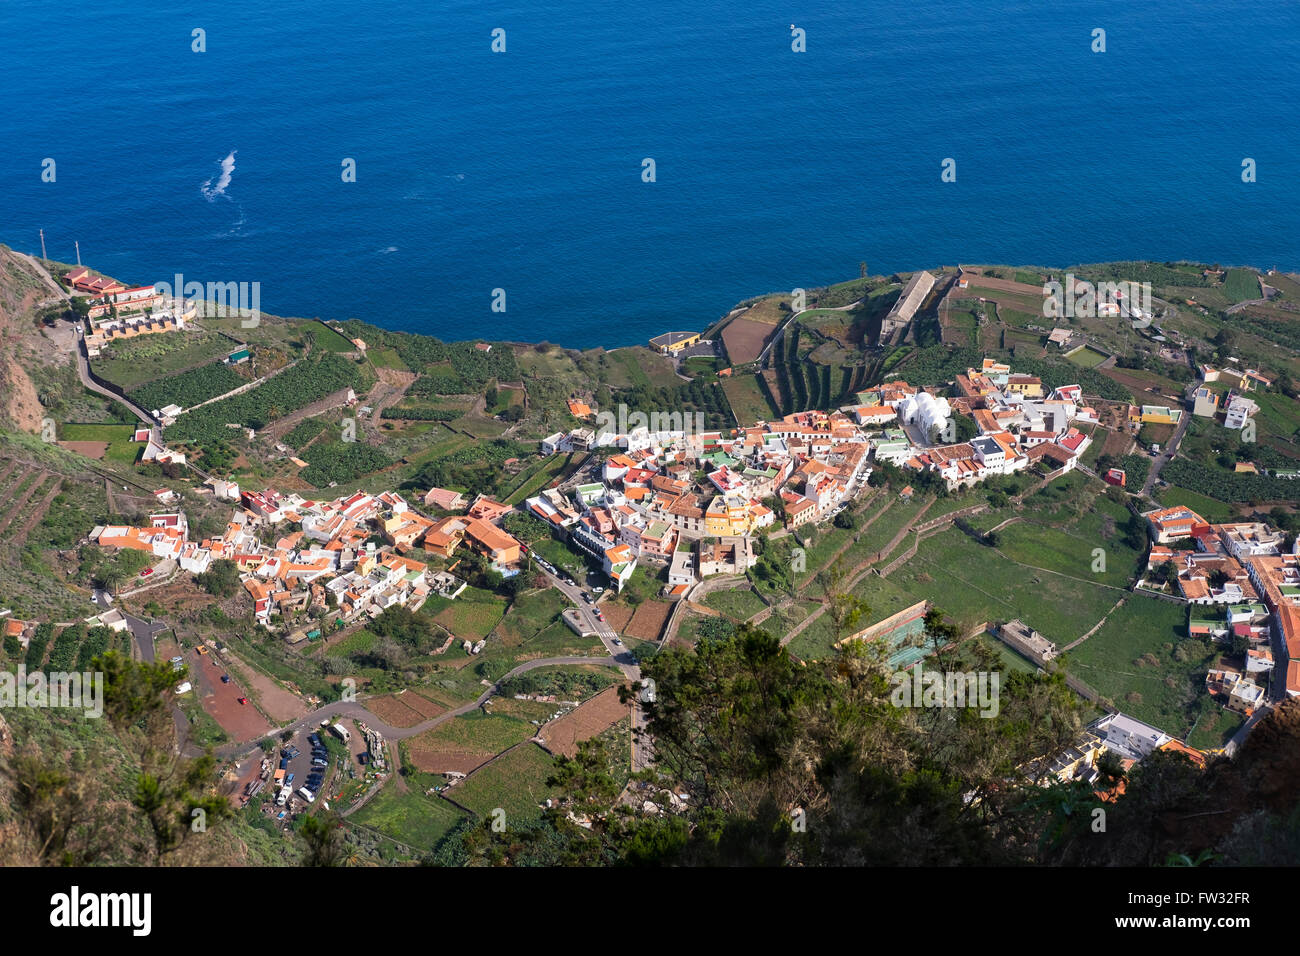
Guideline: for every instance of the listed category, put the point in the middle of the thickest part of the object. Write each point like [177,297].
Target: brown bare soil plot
[598,714]
[1116,444]
[91,449]
[459,761]
[617,616]
[423,705]
[393,711]
[281,704]
[744,339]
[649,620]
[241,721]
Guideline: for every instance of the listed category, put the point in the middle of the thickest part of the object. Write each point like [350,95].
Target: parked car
[586,597]
[597,590]
[600,616]
[243,700]
[146,572]
[225,678]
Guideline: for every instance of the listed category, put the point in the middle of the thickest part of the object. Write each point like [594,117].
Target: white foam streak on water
[211,192]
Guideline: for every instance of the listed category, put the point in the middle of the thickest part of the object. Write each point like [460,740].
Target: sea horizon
[522,171]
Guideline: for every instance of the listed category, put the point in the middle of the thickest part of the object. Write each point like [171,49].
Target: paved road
[141,630]
[1168,451]
[776,336]
[55,287]
[83,366]
[83,373]
[357,710]
[1231,747]
[642,750]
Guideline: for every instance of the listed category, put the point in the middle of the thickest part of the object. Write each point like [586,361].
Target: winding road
[1172,447]
[358,710]
[83,364]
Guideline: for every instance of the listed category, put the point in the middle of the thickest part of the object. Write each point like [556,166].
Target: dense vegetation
[791,765]
[340,461]
[940,363]
[307,382]
[1226,485]
[188,388]
[448,368]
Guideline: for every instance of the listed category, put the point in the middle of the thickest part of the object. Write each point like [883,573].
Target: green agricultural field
[1215,726]
[973,584]
[884,528]
[359,642]
[1239,285]
[1159,688]
[739,604]
[1278,416]
[387,358]
[409,817]
[557,640]
[188,388]
[1011,660]
[476,732]
[1088,357]
[532,612]
[1211,509]
[120,449]
[472,616]
[538,477]
[515,782]
[639,367]
[748,403]
[131,363]
[702,366]
[1073,551]
[326,338]
[815,642]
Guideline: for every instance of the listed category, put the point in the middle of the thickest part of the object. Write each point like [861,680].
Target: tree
[221,579]
[110,579]
[322,839]
[59,815]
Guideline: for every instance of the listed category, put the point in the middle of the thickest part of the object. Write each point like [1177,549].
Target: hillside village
[682,519]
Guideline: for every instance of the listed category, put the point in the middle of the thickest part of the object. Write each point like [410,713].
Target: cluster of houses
[1250,585]
[346,554]
[694,500]
[1128,738]
[118,311]
[1235,406]
[1019,423]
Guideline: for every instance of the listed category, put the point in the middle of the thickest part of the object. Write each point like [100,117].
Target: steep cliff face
[1258,790]
[21,342]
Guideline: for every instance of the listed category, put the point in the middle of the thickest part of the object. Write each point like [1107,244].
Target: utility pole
[43,255]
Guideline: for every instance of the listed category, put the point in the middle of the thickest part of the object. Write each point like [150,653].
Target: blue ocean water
[522,170]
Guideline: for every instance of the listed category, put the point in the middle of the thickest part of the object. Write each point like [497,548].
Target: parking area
[221,699]
[315,765]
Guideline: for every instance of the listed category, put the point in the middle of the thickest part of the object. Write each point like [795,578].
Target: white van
[306,794]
